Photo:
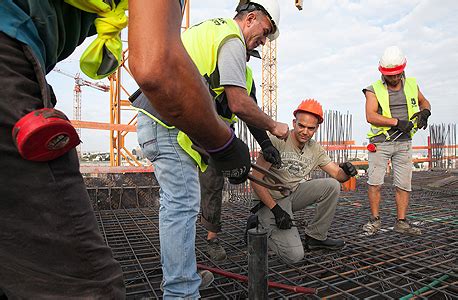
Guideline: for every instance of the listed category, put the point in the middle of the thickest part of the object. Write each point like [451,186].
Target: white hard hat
[272,9]
[392,61]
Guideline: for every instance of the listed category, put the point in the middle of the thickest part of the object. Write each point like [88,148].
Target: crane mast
[79,82]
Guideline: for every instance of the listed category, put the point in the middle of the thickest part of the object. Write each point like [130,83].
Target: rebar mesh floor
[387,265]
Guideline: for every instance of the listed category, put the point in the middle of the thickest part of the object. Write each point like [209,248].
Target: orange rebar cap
[311,106]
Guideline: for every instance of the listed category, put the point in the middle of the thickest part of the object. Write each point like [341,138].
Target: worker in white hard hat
[212,182]
[395,109]
[218,48]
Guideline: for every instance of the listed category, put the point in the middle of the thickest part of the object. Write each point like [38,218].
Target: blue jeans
[178,178]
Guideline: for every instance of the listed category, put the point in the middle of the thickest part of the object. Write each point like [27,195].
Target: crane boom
[83,82]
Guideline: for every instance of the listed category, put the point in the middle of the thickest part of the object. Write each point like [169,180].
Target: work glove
[282,218]
[422,121]
[232,160]
[271,153]
[348,168]
[404,126]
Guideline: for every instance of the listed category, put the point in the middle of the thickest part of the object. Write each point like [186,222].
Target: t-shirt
[232,63]
[398,109]
[296,163]
[231,68]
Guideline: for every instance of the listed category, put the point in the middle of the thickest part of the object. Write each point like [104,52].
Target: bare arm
[335,172]
[246,109]
[372,115]
[261,191]
[166,74]
[422,102]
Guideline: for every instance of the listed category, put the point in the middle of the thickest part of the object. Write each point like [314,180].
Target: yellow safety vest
[202,42]
[381,92]
[103,56]
[183,140]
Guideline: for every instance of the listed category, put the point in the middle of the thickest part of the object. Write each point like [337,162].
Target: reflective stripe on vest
[381,92]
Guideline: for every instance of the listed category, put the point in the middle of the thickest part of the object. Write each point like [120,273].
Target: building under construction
[387,265]
[125,194]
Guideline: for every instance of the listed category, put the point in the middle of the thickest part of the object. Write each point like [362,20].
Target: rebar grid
[387,265]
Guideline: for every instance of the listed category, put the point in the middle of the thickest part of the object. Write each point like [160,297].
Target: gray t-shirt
[398,109]
[232,63]
[296,163]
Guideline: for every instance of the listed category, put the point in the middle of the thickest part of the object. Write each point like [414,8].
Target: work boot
[327,244]
[402,226]
[206,276]
[215,250]
[372,226]
[207,279]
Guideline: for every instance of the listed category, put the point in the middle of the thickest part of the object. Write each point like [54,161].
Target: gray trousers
[211,191]
[287,243]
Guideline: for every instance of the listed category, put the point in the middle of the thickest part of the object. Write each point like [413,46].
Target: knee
[292,255]
[375,188]
[333,187]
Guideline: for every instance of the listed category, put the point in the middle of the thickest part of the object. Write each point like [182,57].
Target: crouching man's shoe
[328,244]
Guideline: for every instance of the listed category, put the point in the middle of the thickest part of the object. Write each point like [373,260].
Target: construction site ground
[387,265]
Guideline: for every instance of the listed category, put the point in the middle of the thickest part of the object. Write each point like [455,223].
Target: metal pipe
[257,264]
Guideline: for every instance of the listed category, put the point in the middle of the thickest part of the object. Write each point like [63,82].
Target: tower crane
[79,82]
[269,74]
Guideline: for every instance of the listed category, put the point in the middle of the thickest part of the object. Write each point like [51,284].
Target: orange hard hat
[311,106]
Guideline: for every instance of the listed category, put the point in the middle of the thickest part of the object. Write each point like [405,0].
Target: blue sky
[328,51]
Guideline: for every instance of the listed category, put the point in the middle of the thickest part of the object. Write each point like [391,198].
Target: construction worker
[395,108]
[212,181]
[300,154]
[218,48]
[50,243]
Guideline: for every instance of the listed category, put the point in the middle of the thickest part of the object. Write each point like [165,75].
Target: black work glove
[271,153]
[233,160]
[348,168]
[282,218]
[422,121]
[404,126]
